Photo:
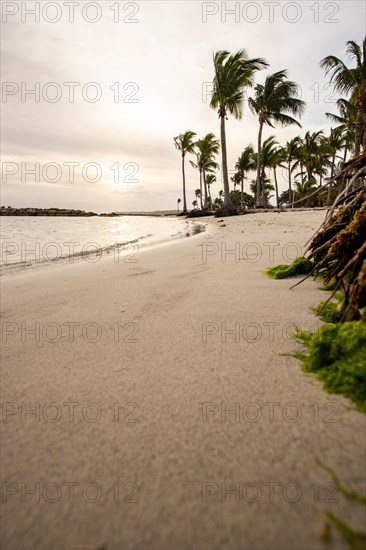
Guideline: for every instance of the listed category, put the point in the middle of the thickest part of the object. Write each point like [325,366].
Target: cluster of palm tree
[306,161]
[204,150]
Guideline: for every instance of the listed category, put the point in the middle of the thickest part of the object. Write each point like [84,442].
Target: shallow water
[26,241]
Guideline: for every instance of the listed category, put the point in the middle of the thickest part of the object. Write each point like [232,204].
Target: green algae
[355,539]
[337,355]
[341,488]
[327,311]
[300,266]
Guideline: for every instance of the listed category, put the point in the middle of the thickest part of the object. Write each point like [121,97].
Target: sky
[94,92]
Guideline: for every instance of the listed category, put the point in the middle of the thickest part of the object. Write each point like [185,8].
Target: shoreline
[119,249]
[72,213]
[200,327]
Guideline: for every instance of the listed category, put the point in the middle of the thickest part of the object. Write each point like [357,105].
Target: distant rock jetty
[9,211]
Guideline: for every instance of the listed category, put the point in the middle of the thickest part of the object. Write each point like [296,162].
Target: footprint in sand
[139,271]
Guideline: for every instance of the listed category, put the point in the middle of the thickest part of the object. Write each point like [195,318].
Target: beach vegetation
[300,266]
[232,74]
[336,353]
[273,103]
[314,164]
[185,144]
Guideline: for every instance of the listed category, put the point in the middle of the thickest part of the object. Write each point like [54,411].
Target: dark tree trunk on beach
[259,162]
[330,185]
[345,154]
[205,204]
[302,173]
[227,198]
[242,191]
[309,172]
[276,186]
[290,197]
[209,197]
[184,186]
[263,179]
[201,188]
[358,130]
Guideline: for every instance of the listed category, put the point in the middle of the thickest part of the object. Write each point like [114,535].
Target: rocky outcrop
[9,211]
[199,213]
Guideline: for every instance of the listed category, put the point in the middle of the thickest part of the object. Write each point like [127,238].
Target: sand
[158,473]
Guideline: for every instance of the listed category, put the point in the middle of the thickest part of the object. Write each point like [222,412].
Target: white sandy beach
[170,368]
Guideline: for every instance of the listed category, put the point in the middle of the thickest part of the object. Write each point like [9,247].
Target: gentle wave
[29,241]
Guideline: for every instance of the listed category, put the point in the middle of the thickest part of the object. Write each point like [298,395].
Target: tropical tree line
[308,161]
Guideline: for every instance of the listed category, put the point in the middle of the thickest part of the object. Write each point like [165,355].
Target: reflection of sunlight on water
[29,240]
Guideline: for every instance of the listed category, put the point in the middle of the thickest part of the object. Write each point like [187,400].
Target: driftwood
[338,248]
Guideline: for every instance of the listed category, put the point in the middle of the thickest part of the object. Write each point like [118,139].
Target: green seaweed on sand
[341,488]
[329,287]
[337,354]
[328,312]
[355,539]
[300,266]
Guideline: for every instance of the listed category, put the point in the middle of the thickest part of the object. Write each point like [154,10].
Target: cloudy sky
[114,82]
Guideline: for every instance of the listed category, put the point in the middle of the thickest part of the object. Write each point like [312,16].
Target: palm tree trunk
[205,205]
[184,186]
[259,159]
[263,179]
[331,176]
[241,192]
[358,130]
[345,154]
[344,176]
[227,198]
[201,188]
[302,173]
[289,182]
[333,167]
[209,197]
[276,186]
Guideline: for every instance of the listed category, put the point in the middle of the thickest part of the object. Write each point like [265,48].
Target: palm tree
[303,189]
[267,187]
[346,120]
[333,143]
[244,164]
[235,178]
[217,203]
[272,103]
[194,204]
[351,81]
[207,147]
[277,159]
[310,151]
[178,203]
[198,166]
[210,179]
[198,194]
[185,144]
[293,150]
[232,74]
[269,155]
